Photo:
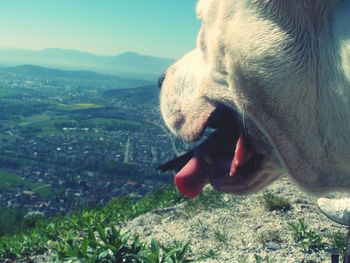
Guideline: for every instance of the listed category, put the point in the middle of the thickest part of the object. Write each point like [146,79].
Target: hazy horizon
[157,28]
[80,51]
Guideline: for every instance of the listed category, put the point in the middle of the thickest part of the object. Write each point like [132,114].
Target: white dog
[273,77]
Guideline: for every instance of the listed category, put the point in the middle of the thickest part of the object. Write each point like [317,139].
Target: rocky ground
[242,229]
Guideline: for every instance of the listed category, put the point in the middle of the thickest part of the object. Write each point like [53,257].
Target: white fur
[285,65]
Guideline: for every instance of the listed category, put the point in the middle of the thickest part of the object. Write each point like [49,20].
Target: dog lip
[193,127]
[216,155]
[215,146]
[224,129]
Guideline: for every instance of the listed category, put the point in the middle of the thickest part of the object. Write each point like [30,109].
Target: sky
[162,28]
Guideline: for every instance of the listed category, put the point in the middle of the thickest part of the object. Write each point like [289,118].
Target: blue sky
[165,28]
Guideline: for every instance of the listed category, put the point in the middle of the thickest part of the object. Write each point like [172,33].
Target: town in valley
[70,140]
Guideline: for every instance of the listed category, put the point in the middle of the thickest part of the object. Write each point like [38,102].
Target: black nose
[161,80]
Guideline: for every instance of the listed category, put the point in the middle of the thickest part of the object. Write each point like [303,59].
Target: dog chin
[247,183]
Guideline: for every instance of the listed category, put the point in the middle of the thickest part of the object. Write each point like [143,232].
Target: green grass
[6,91]
[43,125]
[62,106]
[86,106]
[271,235]
[73,236]
[77,106]
[110,245]
[210,199]
[42,190]
[93,235]
[117,123]
[305,237]
[10,181]
[7,137]
[273,202]
[309,239]
[34,119]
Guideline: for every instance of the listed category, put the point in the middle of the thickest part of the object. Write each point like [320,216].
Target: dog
[272,78]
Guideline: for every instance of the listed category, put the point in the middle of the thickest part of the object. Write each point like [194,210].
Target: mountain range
[83,78]
[128,64]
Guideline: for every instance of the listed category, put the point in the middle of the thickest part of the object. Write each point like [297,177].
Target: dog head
[281,68]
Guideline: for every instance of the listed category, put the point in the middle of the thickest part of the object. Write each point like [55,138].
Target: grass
[34,118]
[74,236]
[43,125]
[110,245]
[42,190]
[7,137]
[6,91]
[201,229]
[77,106]
[273,202]
[210,254]
[309,239]
[115,121]
[305,237]
[221,236]
[93,235]
[271,235]
[10,181]
[265,259]
[65,107]
[86,106]
[337,240]
[209,200]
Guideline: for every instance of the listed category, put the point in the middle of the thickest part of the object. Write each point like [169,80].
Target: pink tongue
[189,180]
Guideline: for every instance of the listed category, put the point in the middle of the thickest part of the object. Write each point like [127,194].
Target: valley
[65,145]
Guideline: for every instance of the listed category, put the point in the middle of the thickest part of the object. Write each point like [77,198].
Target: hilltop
[280,224]
[128,64]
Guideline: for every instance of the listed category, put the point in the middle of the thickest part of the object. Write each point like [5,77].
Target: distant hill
[133,62]
[81,77]
[129,64]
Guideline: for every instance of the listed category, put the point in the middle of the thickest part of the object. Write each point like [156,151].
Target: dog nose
[161,80]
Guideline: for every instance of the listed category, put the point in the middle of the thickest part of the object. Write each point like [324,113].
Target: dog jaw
[287,74]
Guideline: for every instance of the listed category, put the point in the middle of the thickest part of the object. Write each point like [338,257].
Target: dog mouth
[227,155]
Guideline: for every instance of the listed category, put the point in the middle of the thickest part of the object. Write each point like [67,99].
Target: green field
[5,91]
[87,106]
[10,181]
[117,122]
[77,106]
[44,124]
[47,126]
[7,137]
[34,118]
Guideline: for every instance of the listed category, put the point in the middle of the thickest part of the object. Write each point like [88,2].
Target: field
[77,106]
[10,181]
[87,121]
[6,92]
[63,115]
[34,118]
